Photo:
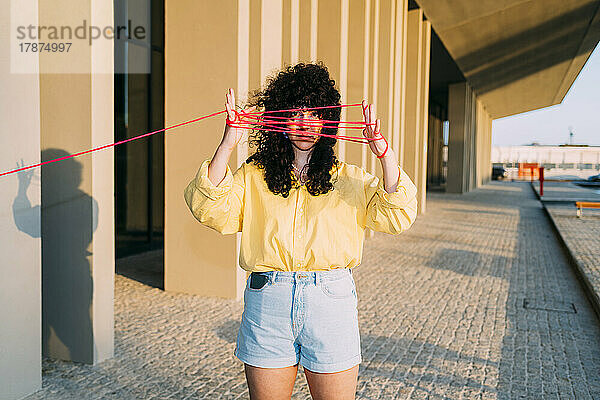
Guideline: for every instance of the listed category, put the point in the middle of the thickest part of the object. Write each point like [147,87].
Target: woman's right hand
[232,135]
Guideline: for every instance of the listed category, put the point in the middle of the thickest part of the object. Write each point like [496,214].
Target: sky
[579,110]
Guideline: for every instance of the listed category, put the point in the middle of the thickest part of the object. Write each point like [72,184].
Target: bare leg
[333,386]
[270,383]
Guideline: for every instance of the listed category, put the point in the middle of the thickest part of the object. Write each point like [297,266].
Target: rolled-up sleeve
[393,212]
[219,207]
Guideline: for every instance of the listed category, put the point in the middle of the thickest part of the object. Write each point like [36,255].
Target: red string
[306,108]
[112,144]
[318,122]
[348,138]
[272,126]
[386,147]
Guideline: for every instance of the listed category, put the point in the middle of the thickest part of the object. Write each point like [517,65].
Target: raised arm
[391,202]
[220,207]
[216,195]
[393,212]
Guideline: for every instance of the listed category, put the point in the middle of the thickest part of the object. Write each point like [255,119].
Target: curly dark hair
[301,85]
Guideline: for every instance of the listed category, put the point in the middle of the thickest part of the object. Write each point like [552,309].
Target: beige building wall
[418,40]
[357,77]
[383,87]
[290,31]
[385,71]
[361,43]
[63,283]
[243,52]
[307,35]
[399,62]
[227,53]
[20,243]
[424,114]
[77,199]
[412,120]
[332,49]
[364,77]
[373,78]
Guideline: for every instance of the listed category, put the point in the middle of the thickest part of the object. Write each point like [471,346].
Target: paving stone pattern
[441,315]
[566,191]
[582,237]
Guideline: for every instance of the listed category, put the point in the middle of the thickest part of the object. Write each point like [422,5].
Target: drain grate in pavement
[549,305]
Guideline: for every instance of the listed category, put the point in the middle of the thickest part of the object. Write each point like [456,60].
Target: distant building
[555,159]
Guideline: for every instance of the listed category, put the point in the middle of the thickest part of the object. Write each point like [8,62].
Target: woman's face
[305,122]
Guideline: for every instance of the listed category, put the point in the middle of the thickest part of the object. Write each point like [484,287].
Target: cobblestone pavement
[556,191]
[475,301]
[581,235]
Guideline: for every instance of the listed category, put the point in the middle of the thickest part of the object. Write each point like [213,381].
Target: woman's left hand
[379,145]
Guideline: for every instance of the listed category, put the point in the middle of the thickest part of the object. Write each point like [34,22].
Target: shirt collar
[333,171]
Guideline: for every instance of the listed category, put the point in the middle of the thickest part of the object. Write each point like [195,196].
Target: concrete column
[77,212]
[270,37]
[271,42]
[20,244]
[199,260]
[332,49]
[371,77]
[488,150]
[342,81]
[414,92]
[242,51]
[307,35]
[458,116]
[472,156]
[290,32]
[480,143]
[358,74]
[470,140]
[374,20]
[484,145]
[383,95]
[399,71]
[424,113]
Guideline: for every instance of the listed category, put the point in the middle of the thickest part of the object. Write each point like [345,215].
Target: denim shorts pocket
[257,282]
[338,288]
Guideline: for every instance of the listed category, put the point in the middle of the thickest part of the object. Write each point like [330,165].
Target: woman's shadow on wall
[68,221]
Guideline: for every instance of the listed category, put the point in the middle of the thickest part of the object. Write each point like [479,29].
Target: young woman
[302,214]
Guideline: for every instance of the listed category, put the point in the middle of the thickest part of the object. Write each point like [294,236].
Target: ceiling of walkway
[518,55]
[443,72]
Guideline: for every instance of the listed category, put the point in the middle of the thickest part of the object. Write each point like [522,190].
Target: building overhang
[517,55]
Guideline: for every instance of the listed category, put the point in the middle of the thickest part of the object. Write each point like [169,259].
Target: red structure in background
[529,169]
[534,171]
[541,170]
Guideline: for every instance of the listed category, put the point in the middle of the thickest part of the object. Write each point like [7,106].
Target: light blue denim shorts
[306,317]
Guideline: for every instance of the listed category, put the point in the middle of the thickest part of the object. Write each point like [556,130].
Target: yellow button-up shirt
[301,232]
